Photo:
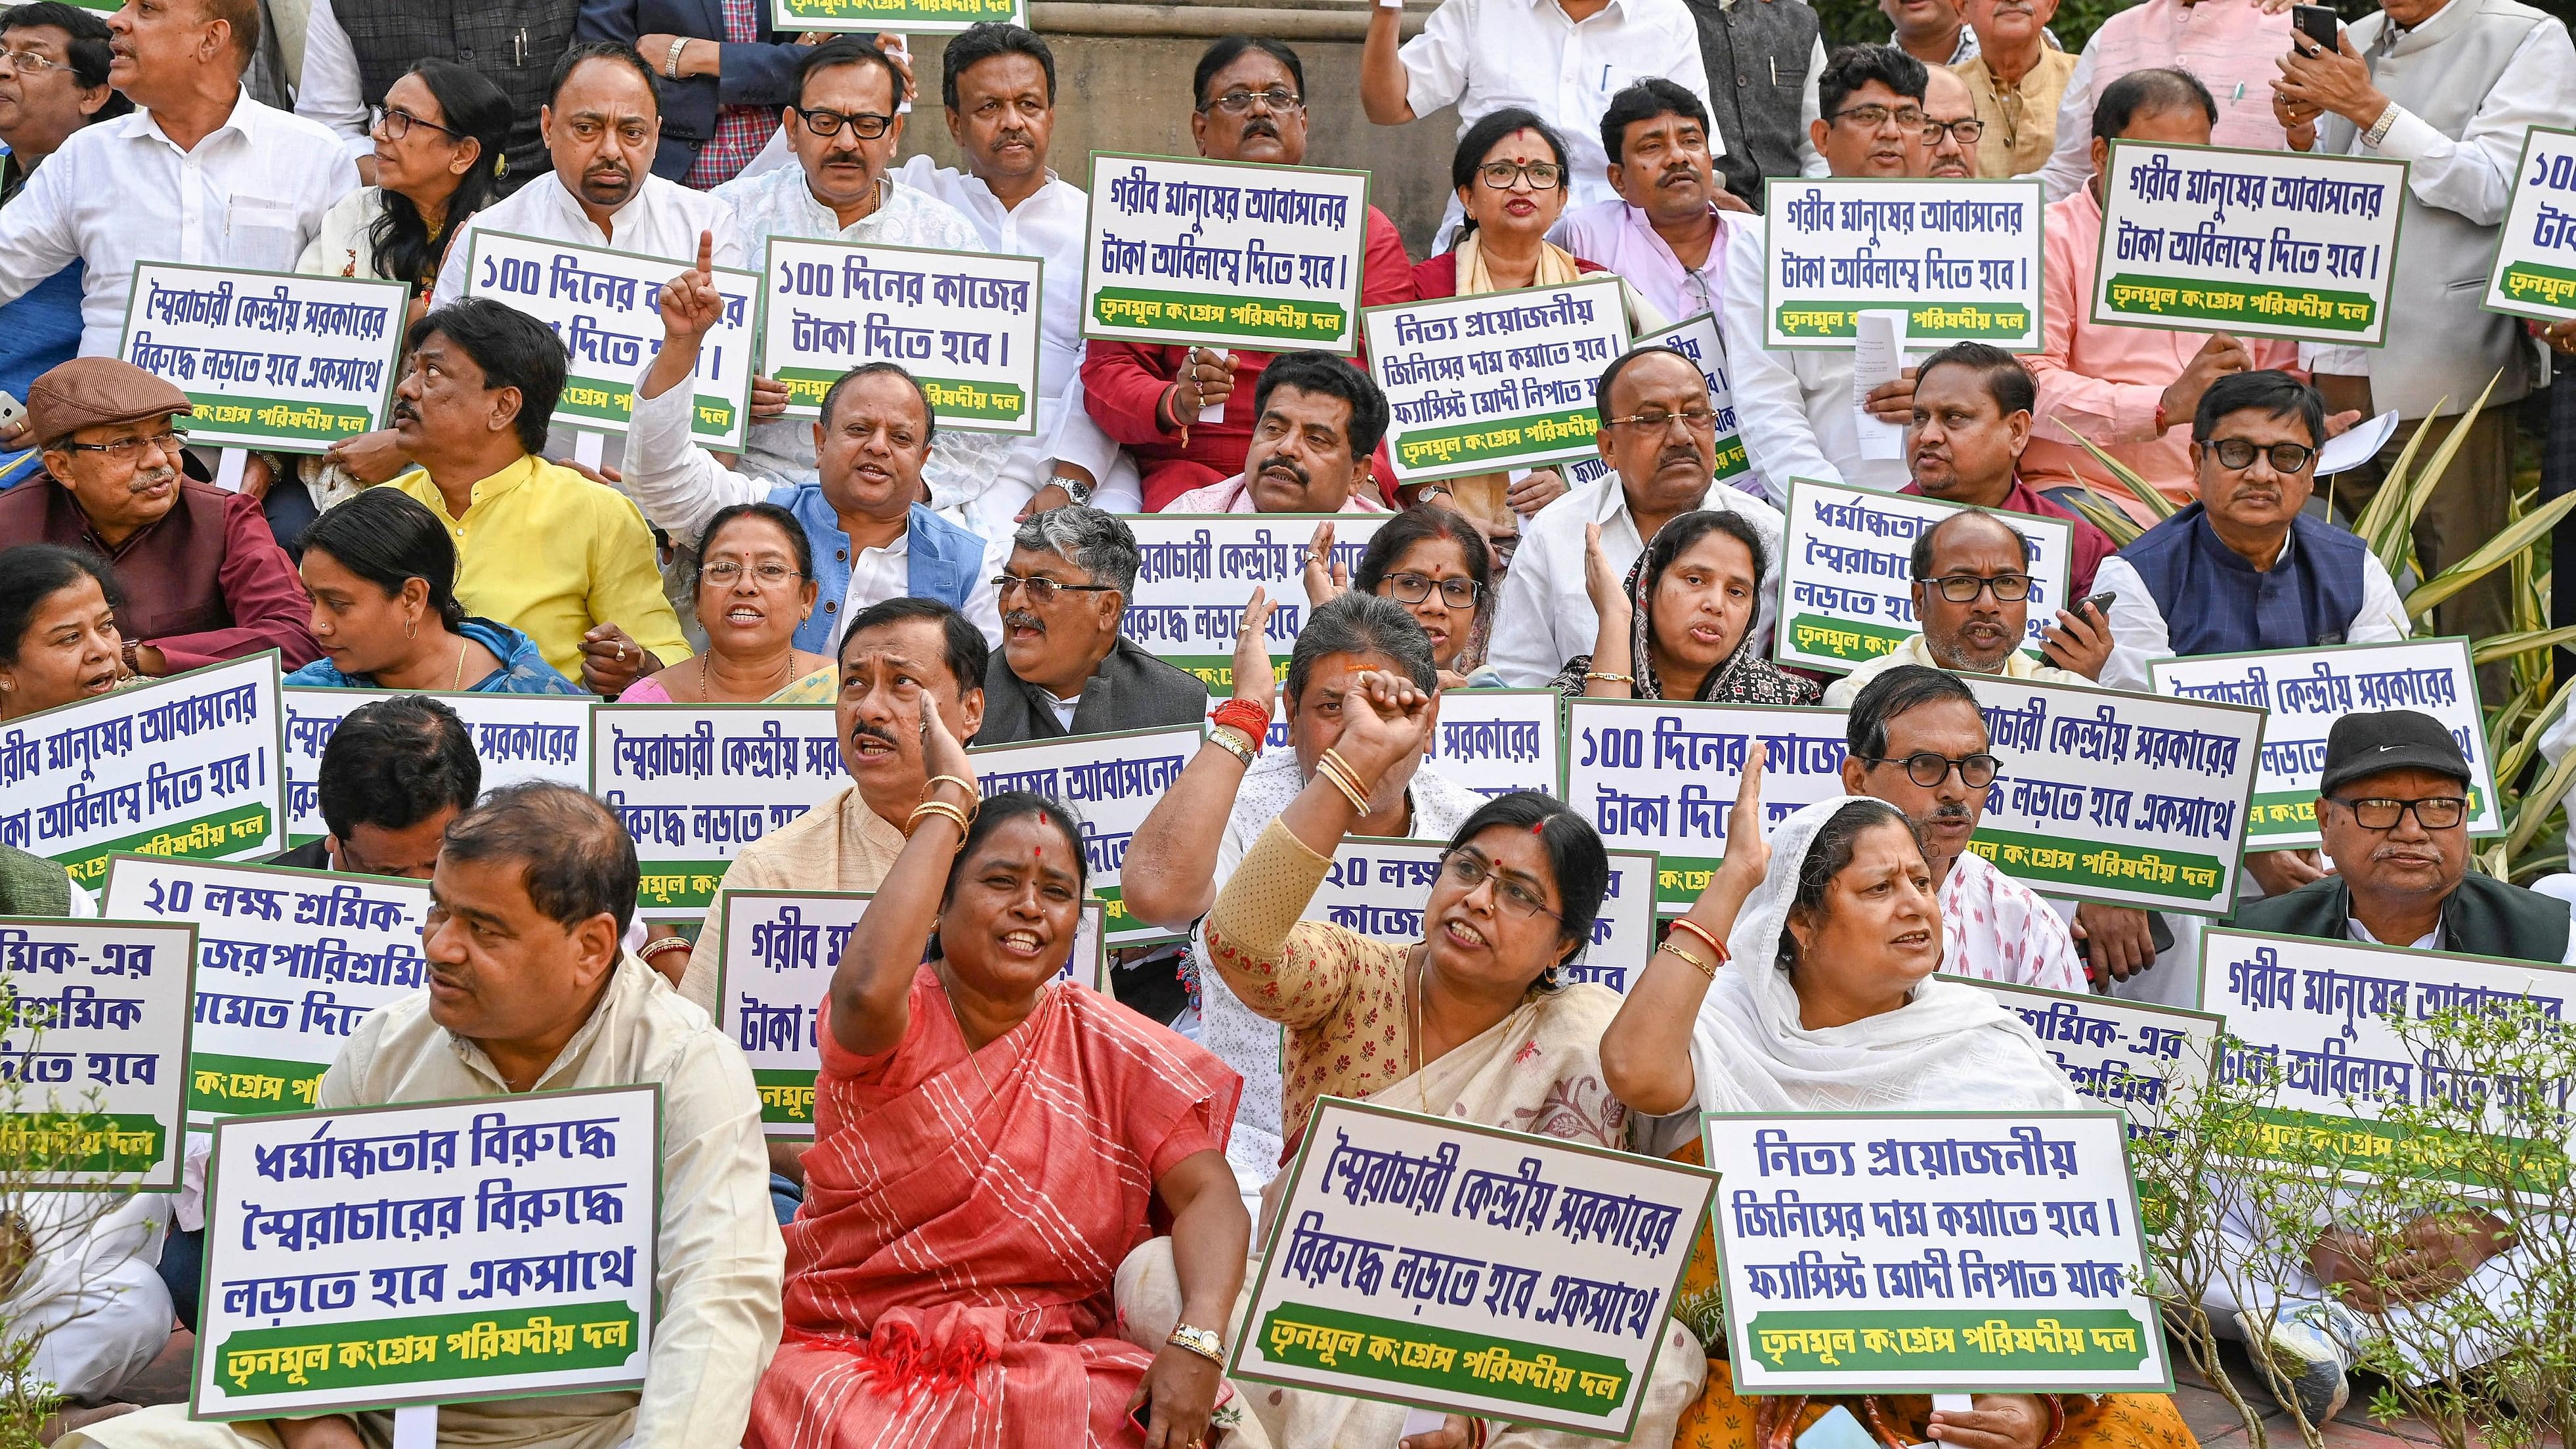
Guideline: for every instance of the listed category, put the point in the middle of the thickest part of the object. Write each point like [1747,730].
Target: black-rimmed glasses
[1927,769]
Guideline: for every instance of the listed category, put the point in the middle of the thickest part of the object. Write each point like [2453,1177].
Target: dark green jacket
[2484,917]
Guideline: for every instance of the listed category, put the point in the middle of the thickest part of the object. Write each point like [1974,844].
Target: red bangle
[1244,715]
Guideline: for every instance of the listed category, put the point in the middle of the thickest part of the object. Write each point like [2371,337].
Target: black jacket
[2484,917]
[1131,690]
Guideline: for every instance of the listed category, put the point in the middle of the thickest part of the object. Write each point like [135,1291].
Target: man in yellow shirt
[564,560]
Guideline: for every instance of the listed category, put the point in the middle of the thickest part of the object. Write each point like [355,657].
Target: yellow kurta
[839,845]
[2021,120]
[719,1253]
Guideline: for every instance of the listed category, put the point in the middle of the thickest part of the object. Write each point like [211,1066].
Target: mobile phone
[11,411]
[2316,22]
[2101,604]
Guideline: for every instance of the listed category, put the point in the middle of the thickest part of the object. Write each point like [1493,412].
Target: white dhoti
[93,1291]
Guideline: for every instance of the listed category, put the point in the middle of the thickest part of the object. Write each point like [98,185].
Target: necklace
[459,681]
[958,1017]
[707,696]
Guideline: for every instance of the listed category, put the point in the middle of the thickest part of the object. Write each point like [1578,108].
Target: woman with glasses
[382,575]
[1681,625]
[755,586]
[1434,562]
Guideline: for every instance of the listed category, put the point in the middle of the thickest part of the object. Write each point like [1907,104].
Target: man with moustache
[1910,723]
[1972,419]
[1318,421]
[1972,588]
[1947,148]
[1931,31]
[1063,668]
[54,83]
[2016,82]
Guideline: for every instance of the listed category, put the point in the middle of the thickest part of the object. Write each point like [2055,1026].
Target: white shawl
[1948,1048]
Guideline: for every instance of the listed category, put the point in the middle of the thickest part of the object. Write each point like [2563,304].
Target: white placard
[94,1046]
[1847,572]
[518,737]
[604,305]
[288,962]
[2120,1053]
[1378,887]
[1961,258]
[2012,1264]
[1495,741]
[2535,265]
[1698,339]
[279,360]
[695,783]
[1111,783]
[964,324]
[2307,690]
[1223,253]
[498,1247]
[1492,1273]
[184,766]
[2254,243]
[1496,381]
[902,17]
[2126,799]
[1196,571]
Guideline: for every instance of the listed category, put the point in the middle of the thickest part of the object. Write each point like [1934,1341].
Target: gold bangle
[1609,678]
[937,807]
[1705,968]
[1338,777]
[1716,946]
[974,797]
[1366,788]
[1223,739]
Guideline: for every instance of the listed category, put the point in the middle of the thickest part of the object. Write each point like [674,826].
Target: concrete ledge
[1320,20]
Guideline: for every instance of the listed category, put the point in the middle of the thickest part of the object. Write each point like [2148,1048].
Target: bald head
[1975,554]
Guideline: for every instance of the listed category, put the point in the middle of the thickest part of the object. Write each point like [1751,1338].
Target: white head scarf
[1948,1048]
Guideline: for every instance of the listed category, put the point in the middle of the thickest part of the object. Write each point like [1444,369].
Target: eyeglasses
[1279,99]
[2441,812]
[1414,588]
[2239,453]
[1470,872]
[397,124]
[1964,132]
[33,62]
[1543,175]
[1964,588]
[1928,769]
[124,450]
[1698,420]
[1870,118]
[1042,592]
[724,573]
[866,125]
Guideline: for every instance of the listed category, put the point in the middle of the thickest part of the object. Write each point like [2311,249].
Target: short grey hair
[1087,538]
[1357,623]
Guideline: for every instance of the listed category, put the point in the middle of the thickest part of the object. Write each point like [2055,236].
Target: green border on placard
[2035,339]
[816,381]
[171,1152]
[1887,634]
[689,903]
[2541,311]
[914,17]
[1250,341]
[1216,670]
[271,439]
[1582,417]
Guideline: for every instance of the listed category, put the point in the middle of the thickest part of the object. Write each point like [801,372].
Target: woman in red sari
[990,1146]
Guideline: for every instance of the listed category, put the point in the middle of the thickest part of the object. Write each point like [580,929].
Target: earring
[412,629]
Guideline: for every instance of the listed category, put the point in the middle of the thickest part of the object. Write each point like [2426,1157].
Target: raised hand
[941,754]
[1325,580]
[1605,586]
[1252,679]
[1386,719]
[690,302]
[1748,850]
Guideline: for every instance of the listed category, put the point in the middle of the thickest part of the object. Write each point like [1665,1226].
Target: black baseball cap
[2394,739]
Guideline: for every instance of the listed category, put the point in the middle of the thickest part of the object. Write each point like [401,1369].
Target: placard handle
[416,1425]
[229,463]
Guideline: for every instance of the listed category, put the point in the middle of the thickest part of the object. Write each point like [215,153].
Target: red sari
[948,1279]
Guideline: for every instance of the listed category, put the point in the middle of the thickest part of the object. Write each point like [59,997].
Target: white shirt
[1805,409]
[1485,55]
[1546,617]
[331,93]
[2138,635]
[680,485]
[2475,174]
[2354,930]
[662,219]
[251,194]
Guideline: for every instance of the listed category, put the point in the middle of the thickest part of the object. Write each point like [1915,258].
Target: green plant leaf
[2536,804]
[2128,477]
[2123,529]
[2505,646]
[2491,555]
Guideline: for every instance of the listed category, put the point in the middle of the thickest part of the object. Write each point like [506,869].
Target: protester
[1972,591]
[395,774]
[529,991]
[755,588]
[723,70]
[1560,63]
[1972,423]
[382,576]
[1196,835]
[2017,79]
[1681,625]
[540,548]
[2128,389]
[54,84]
[1910,722]
[354,51]
[1946,149]
[1664,233]
[1318,421]
[1762,62]
[1064,668]
[200,577]
[1659,436]
[900,657]
[1248,104]
[2230,46]
[1471,1023]
[870,537]
[1931,31]
[1436,564]
[1872,100]
[58,625]
[2451,89]
[83,1297]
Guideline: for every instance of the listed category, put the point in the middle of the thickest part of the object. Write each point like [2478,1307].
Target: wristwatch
[1077,489]
[671,62]
[1201,1341]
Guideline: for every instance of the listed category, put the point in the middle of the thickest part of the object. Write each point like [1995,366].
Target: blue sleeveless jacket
[942,560]
[2214,602]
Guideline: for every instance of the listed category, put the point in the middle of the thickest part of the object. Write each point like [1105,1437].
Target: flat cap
[2361,745]
[89,392]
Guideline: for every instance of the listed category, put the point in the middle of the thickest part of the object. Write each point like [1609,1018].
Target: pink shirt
[1621,239]
[2104,382]
[1994,928]
[1231,496]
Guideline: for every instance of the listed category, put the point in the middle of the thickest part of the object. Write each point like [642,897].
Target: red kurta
[949,1277]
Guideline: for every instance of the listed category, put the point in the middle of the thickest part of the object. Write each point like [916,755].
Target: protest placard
[1697,338]
[2319,1020]
[2307,690]
[93,1051]
[1111,782]
[1495,741]
[695,783]
[279,360]
[518,737]
[1462,1268]
[1495,381]
[2125,799]
[2311,256]
[2120,1053]
[344,1270]
[1378,887]
[603,305]
[288,962]
[1196,571]
[901,17]
[1661,776]
[2535,265]
[187,766]
[1847,572]
[1843,1296]
[1960,258]
[964,324]
[781,948]
[1223,253]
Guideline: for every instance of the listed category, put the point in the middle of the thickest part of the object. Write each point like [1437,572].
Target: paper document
[1878,355]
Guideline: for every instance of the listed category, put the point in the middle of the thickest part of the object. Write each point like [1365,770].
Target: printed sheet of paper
[964,324]
[2535,265]
[279,360]
[517,737]
[1380,889]
[1961,257]
[1196,571]
[1224,253]
[94,1048]
[695,783]
[1847,572]
[1497,381]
